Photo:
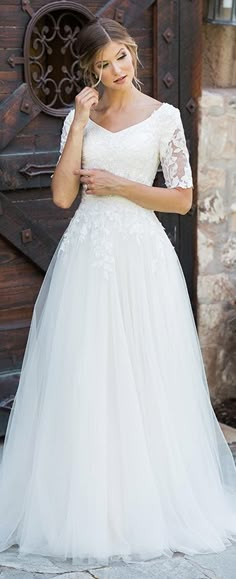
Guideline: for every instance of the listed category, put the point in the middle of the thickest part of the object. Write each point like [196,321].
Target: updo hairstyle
[94,37]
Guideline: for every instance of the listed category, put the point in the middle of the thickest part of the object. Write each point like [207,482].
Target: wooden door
[39,77]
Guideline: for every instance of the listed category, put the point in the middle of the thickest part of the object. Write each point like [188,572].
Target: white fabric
[113,448]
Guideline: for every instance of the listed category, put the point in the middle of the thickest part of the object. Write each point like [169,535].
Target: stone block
[231,105]
[228,374]
[221,138]
[232,218]
[215,288]
[211,98]
[211,209]
[218,55]
[228,256]
[209,354]
[232,182]
[232,223]
[209,323]
[210,178]
[205,251]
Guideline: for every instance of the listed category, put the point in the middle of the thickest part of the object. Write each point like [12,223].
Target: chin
[127,84]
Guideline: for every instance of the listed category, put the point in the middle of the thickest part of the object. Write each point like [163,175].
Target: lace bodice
[135,152]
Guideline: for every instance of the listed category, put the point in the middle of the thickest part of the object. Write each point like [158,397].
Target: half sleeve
[65,130]
[64,133]
[174,155]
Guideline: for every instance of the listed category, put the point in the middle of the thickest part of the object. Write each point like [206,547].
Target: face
[114,65]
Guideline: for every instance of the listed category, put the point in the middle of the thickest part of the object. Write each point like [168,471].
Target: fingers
[88,101]
[89,172]
[85,90]
[84,101]
[87,179]
[85,94]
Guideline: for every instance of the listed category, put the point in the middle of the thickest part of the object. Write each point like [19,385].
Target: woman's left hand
[99,181]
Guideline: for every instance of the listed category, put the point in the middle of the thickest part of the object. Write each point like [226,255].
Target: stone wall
[217,239]
[219,55]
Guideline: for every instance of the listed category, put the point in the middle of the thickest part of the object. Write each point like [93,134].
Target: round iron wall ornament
[51,61]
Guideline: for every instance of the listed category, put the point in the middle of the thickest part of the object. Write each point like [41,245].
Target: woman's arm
[169,200]
[65,183]
[166,200]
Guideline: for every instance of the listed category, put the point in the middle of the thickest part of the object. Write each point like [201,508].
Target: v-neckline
[130,126]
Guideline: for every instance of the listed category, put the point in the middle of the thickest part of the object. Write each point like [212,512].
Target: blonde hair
[94,37]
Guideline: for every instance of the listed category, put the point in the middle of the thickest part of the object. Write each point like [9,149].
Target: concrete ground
[216,566]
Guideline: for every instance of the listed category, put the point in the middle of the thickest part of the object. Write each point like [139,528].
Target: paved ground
[217,566]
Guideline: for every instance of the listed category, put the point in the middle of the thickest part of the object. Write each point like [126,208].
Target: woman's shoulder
[155,105]
[69,117]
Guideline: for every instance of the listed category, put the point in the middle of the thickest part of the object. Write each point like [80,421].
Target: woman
[113,449]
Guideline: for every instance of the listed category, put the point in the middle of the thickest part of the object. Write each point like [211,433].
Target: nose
[116,68]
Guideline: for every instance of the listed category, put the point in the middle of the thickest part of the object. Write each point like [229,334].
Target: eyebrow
[100,61]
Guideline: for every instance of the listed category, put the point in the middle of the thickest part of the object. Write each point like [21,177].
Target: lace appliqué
[175,163]
[97,221]
[109,229]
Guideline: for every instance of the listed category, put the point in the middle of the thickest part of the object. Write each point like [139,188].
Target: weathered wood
[190,59]
[167,46]
[21,171]
[15,113]
[5,54]
[8,383]
[44,211]
[13,222]
[11,36]
[124,11]
[168,35]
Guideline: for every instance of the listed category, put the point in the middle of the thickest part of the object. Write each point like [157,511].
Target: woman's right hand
[84,101]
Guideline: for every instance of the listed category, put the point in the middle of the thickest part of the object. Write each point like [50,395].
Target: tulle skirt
[112,448]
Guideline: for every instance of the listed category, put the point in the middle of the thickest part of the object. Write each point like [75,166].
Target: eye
[122,56]
[102,66]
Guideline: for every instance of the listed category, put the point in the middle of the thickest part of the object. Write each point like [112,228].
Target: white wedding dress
[113,449]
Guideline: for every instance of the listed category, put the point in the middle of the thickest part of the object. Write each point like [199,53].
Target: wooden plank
[13,342]
[5,54]
[13,222]
[16,274]
[15,113]
[14,300]
[166,62]
[12,75]
[23,171]
[124,11]
[30,194]
[167,58]
[6,89]
[44,210]
[8,383]
[11,36]
[44,124]
[189,93]
[12,15]
[15,317]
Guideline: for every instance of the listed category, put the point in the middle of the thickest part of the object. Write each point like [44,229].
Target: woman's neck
[117,100]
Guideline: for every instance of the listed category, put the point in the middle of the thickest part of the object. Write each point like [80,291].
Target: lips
[121,78]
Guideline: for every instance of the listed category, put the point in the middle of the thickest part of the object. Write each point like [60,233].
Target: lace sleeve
[64,133]
[174,154]
[65,130]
